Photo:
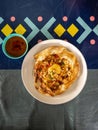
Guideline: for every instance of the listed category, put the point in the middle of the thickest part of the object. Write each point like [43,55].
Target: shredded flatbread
[55,70]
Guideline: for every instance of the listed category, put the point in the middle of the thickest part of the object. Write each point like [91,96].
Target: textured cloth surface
[20,111]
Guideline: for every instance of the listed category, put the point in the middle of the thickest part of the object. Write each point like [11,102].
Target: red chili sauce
[15,46]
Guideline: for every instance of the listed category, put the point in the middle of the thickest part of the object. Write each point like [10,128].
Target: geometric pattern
[33,27]
[45,28]
[59,30]
[20,29]
[1,40]
[72,30]
[95,30]
[6,30]
[87,30]
[1,20]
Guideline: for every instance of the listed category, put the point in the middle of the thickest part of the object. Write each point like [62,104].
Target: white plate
[28,80]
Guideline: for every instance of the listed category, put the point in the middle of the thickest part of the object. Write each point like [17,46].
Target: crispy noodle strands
[55,70]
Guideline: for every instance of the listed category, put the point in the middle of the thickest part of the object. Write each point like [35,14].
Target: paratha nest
[55,70]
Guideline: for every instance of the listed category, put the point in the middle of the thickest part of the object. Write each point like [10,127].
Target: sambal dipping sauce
[15,46]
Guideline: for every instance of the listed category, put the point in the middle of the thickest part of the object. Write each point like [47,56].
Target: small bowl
[28,79]
[15,46]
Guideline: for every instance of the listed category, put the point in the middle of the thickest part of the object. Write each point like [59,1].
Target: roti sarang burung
[55,70]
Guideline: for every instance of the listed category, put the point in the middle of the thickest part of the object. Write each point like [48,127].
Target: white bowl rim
[57,100]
